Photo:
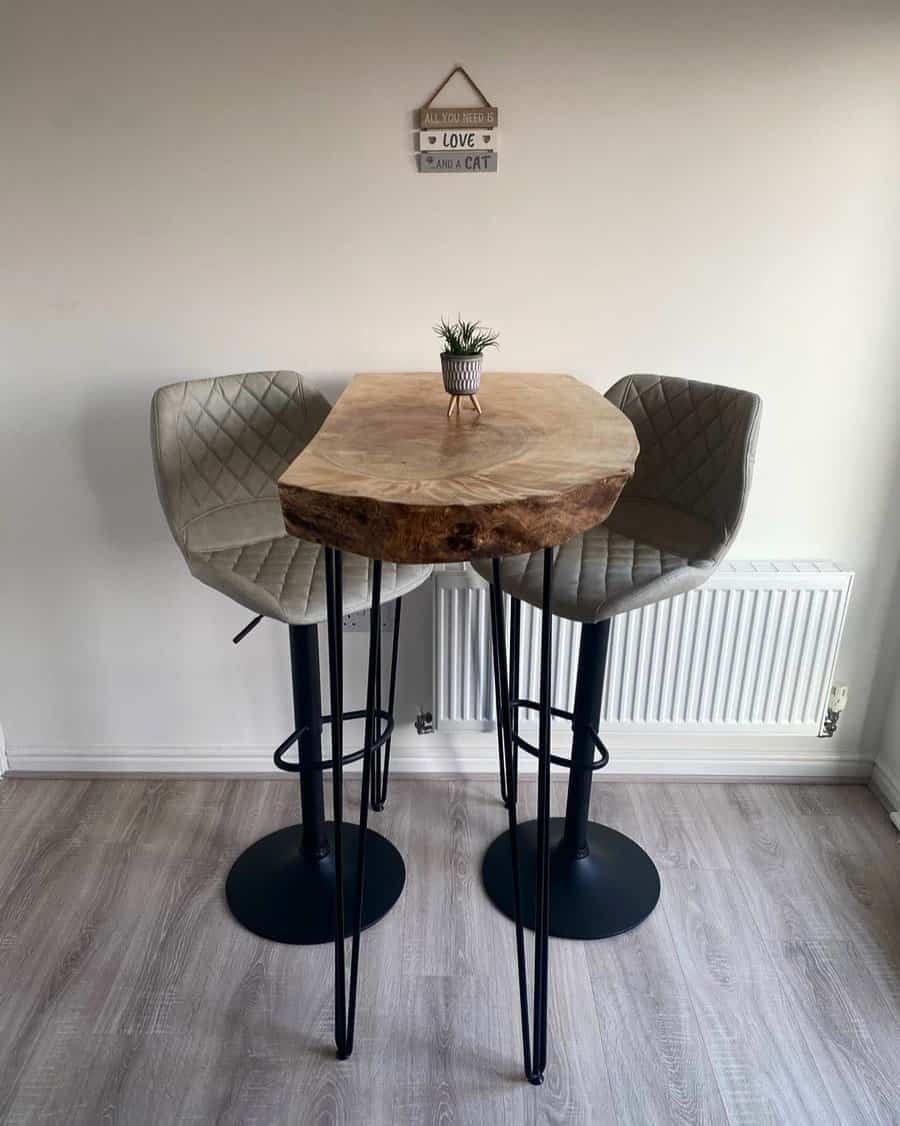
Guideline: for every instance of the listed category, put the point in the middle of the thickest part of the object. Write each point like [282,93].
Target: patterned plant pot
[462,374]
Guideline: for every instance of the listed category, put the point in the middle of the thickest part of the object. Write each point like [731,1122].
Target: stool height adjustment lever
[248,628]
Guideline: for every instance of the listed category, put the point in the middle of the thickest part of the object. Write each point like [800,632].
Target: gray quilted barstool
[672,525]
[219,446]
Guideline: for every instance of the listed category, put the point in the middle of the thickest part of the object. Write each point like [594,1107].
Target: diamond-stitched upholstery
[676,517]
[228,440]
[219,446]
[284,578]
[599,574]
[697,443]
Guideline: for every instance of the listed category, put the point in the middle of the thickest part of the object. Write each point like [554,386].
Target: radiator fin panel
[752,650]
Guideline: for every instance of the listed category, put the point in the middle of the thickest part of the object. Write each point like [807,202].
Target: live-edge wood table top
[391,477]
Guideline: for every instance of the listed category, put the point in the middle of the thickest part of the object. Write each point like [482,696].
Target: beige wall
[206,186]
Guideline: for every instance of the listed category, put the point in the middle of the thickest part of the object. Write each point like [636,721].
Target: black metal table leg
[534,1047]
[515,624]
[345,1007]
[283,886]
[589,880]
[373,693]
[542,896]
[374,790]
[498,638]
[495,664]
[334,597]
[382,773]
[603,882]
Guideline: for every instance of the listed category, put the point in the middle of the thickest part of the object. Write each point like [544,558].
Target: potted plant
[462,357]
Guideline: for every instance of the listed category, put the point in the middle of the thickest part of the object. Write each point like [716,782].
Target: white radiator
[751,651]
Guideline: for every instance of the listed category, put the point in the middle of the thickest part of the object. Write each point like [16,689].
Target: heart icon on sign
[431,140]
[485,137]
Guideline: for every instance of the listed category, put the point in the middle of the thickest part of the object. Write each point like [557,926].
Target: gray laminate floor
[764,989]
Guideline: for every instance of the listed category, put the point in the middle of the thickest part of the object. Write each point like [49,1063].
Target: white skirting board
[474,754]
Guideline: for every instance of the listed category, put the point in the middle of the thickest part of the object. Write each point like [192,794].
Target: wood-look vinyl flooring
[764,989]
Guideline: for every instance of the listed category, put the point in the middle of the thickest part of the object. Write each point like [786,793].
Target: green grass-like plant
[466,338]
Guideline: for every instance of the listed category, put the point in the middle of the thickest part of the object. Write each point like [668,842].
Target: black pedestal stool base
[608,892]
[277,892]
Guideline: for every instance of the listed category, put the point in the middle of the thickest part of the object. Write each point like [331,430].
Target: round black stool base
[605,893]
[279,894]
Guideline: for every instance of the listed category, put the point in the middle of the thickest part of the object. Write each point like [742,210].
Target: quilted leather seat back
[697,448]
[220,443]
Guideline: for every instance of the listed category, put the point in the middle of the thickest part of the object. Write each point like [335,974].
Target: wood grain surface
[390,476]
[129,995]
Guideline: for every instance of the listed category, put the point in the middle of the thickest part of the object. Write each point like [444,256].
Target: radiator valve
[424,723]
[837,701]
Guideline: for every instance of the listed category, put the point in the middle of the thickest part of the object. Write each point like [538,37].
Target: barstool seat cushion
[284,577]
[233,525]
[600,573]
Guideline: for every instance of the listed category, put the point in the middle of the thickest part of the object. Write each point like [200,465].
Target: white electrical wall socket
[358,622]
[837,698]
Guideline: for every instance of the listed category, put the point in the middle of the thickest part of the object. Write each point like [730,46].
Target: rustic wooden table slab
[391,477]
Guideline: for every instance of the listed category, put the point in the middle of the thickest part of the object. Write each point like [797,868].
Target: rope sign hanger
[471,81]
[479,117]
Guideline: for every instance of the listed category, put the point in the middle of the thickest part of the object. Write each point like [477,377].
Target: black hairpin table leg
[344,1006]
[283,886]
[381,774]
[589,881]
[534,1042]
[603,883]
[495,664]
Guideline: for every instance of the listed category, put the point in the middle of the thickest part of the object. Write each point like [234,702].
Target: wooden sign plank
[458,162]
[473,117]
[456,139]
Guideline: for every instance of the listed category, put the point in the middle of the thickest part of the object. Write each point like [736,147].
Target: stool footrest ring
[381,716]
[562,760]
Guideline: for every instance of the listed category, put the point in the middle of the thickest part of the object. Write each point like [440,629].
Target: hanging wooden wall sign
[458,162]
[458,139]
[458,118]
[452,139]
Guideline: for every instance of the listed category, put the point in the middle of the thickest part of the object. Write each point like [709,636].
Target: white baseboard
[885,787]
[473,754]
